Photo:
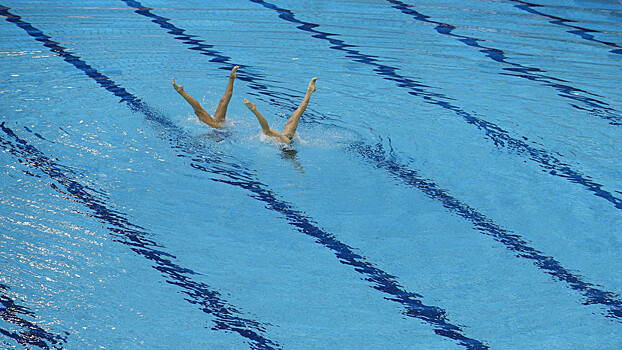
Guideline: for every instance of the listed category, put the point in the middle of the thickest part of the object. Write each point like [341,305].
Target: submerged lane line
[226,316]
[411,179]
[519,70]
[499,136]
[582,32]
[243,178]
[31,335]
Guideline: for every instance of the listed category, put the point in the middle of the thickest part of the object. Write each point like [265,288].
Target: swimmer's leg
[265,128]
[262,121]
[198,110]
[221,110]
[292,123]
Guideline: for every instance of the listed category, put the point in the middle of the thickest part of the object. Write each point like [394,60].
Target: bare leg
[198,110]
[221,110]
[264,123]
[292,123]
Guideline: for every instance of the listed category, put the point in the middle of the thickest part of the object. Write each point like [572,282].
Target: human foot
[249,105]
[234,73]
[311,87]
[178,88]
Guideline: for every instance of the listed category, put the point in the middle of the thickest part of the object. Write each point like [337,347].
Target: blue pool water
[455,182]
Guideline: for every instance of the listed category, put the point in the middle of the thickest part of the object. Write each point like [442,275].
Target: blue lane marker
[378,158]
[243,178]
[226,316]
[513,242]
[31,334]
[582,32]
[594,106]
[499,136]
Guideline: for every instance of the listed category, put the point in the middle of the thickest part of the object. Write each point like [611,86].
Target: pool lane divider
[226,316]
[242,178]
[594,106]
[410,178]
[31,334]
[582,32]
[499,136]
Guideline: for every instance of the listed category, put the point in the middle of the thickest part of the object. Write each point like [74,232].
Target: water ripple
[31,334]
[582,32]
[383,159]
[594,106]
[243,178]
[499,136]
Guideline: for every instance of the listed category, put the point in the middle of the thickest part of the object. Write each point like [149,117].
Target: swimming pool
[455,182]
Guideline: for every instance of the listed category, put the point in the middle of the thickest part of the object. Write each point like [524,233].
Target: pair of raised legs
[221,110]
[219,116]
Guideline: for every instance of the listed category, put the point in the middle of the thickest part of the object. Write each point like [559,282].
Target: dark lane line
[31,334]
[243,178]
[256,81]
[582,32]
[499,136]
[227,317]
[594,106]
[378,158]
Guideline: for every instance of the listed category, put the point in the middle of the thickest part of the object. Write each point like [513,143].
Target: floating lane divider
[226,316]
[376,156]
[495,133]
[31,334]
[243,178]
[594,106]
[584,33]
